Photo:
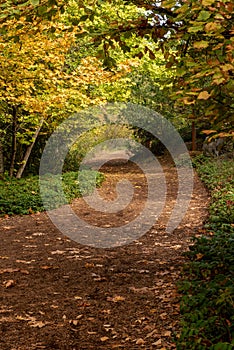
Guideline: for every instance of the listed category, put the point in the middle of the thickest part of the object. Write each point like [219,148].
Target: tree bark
[14,141]
[28,151]
[1,160]
[193,137]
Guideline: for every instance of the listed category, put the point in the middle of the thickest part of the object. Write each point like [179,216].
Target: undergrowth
[207,288]
[22,196]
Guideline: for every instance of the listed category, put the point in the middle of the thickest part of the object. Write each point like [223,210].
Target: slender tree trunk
[193,137]
[28,151]
[14,141]
[1,160]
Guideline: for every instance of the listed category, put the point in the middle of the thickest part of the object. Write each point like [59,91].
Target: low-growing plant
[22,196]
[207,288]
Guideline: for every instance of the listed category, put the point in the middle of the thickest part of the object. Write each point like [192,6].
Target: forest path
[58,294]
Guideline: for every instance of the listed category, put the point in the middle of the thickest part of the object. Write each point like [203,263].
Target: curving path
[58,294]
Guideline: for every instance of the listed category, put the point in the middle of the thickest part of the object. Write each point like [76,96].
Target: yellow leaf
[212,27]
[200,44]
[227,67]
[218,81]
[199,256]
[187,101]
[204,95]
[207,2]
[116,299]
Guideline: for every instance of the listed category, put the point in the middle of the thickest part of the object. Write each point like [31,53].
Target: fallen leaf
[74,322]
[5,310]
[106,312]
[24,261]
[22,318]
[116,298]
[38,233]
[140,341]
[9,283]
[100,279]
[155,331]
[158,342]
[89,265]
[9,270]
[199,256]
[45,267]
[37,324]
[57,252]
[167,334]
[140,290]
[79,316]
[104,339]
[7,319]
[153,311]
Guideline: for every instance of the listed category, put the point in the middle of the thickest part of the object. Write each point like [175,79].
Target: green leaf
[35,2]
[42,10]
[84,18]
[203,16]
[3,15]
[125,48]
[195,29]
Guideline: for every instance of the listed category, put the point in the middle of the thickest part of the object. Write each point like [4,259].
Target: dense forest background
[60,57]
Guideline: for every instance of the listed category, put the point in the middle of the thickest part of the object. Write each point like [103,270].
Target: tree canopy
[196,39]
[60,56]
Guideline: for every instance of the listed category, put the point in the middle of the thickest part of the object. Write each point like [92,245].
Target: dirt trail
[58,294]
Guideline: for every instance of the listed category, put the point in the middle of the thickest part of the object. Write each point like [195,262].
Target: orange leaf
[204,95]
[208,132]
[104,339]
[116,299]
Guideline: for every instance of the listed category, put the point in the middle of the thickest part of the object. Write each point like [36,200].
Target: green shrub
[207,303]
[22,196]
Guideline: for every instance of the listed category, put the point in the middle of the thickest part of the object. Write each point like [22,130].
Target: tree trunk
[1,160]
[193,137]
[28,151]
[14,141]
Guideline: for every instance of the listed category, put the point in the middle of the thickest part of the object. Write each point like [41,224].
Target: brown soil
[57,294]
